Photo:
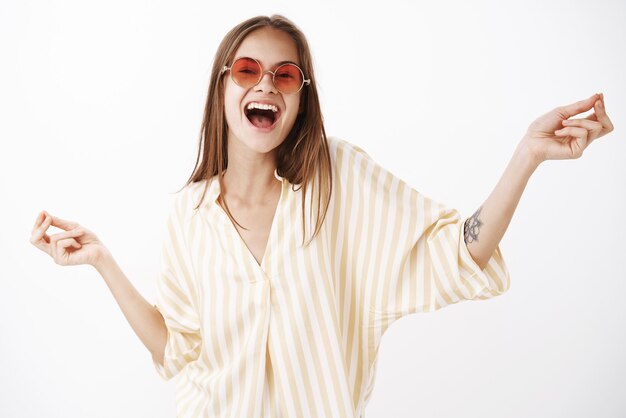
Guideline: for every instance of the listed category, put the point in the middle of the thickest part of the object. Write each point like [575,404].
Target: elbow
[158,358]
[158,353]
[157,347]
[480,262]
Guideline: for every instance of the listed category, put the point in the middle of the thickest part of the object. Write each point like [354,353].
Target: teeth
[255,105]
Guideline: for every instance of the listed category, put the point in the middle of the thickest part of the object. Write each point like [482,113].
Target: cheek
[231,106]
[228,111]
[294,103]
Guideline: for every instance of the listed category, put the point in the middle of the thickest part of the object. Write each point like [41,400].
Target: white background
[101,104]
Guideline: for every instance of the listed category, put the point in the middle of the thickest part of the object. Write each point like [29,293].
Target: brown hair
[303,155]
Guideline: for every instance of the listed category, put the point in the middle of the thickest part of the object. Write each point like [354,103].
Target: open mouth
[264,119]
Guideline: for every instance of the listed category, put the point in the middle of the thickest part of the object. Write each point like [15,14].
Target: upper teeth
[271,107]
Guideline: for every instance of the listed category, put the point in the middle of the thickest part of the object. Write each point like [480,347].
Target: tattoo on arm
[472,227]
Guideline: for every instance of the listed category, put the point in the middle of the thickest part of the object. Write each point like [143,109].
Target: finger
[58,244]
[40,231]
[41,227]
[583,123]
[68,242]
[62,223]
[43,246]
[40,217]
[579,135]
[67,234]
[602,117]
[64,250]
[39,238]
[570,110]
[573,131]
[593,127]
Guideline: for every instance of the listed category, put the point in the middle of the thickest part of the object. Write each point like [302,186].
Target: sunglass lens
[288,78]
[246,72]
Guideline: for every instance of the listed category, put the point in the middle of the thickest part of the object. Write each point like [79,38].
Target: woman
[288,254]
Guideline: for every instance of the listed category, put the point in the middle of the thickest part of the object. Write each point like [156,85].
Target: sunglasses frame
[262,74]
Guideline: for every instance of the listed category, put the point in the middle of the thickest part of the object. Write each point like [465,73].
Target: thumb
[578,146]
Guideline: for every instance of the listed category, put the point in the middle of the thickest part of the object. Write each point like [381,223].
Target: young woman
[288,254]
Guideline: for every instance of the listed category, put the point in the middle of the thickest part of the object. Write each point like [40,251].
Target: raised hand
[75,245]
[553,136]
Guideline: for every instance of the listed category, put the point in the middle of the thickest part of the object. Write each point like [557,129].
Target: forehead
[269,46]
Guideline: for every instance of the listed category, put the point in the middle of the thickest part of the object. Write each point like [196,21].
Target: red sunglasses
[247,72]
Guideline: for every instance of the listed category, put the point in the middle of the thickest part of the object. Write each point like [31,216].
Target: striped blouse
[297,335]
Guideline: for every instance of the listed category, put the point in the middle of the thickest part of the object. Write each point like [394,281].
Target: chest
[258,224]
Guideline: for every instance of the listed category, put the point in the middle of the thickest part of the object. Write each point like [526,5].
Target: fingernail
[566,122]
[600,105]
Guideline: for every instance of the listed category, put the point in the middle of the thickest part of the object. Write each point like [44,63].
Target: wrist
[527,157]
[104,260]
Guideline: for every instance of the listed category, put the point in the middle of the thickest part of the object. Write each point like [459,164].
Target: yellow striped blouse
[298,335]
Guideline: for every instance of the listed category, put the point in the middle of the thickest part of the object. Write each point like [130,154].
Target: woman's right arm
[144,318]
[77,245]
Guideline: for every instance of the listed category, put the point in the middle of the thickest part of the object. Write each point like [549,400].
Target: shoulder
[348,158]
[340,145]
[344,154]
[353,166]
[188,200]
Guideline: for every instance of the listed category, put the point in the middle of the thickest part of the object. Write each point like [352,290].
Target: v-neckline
[242,242]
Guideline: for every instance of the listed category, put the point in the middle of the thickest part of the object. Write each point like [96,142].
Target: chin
[262,146]
[260,143]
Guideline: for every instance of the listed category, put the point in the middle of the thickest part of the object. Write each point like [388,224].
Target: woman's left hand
[553,136]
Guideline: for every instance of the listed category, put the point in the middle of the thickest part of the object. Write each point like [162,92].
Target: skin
[78,245]
[472,227]
[249,180]
[552,136]
[250,186]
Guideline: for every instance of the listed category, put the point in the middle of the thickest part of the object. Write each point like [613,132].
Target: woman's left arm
[544,140]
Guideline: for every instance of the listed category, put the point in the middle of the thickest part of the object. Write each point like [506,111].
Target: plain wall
[101,104]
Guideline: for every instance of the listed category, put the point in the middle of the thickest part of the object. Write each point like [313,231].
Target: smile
[262,116]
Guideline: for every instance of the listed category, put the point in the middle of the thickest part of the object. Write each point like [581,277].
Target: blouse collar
[211,207]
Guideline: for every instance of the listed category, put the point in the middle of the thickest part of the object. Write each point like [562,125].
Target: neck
[249,178]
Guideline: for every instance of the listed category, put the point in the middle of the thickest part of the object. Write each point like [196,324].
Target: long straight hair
[301,158]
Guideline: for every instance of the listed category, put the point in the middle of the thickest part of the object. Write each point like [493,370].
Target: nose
[266,83]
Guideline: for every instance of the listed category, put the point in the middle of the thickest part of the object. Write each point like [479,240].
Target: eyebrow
[286,62]
[275,65]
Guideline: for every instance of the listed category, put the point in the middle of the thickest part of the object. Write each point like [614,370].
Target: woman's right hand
[75,245]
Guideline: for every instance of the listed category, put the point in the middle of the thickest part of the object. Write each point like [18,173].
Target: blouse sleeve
[175,298]
[410,252]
